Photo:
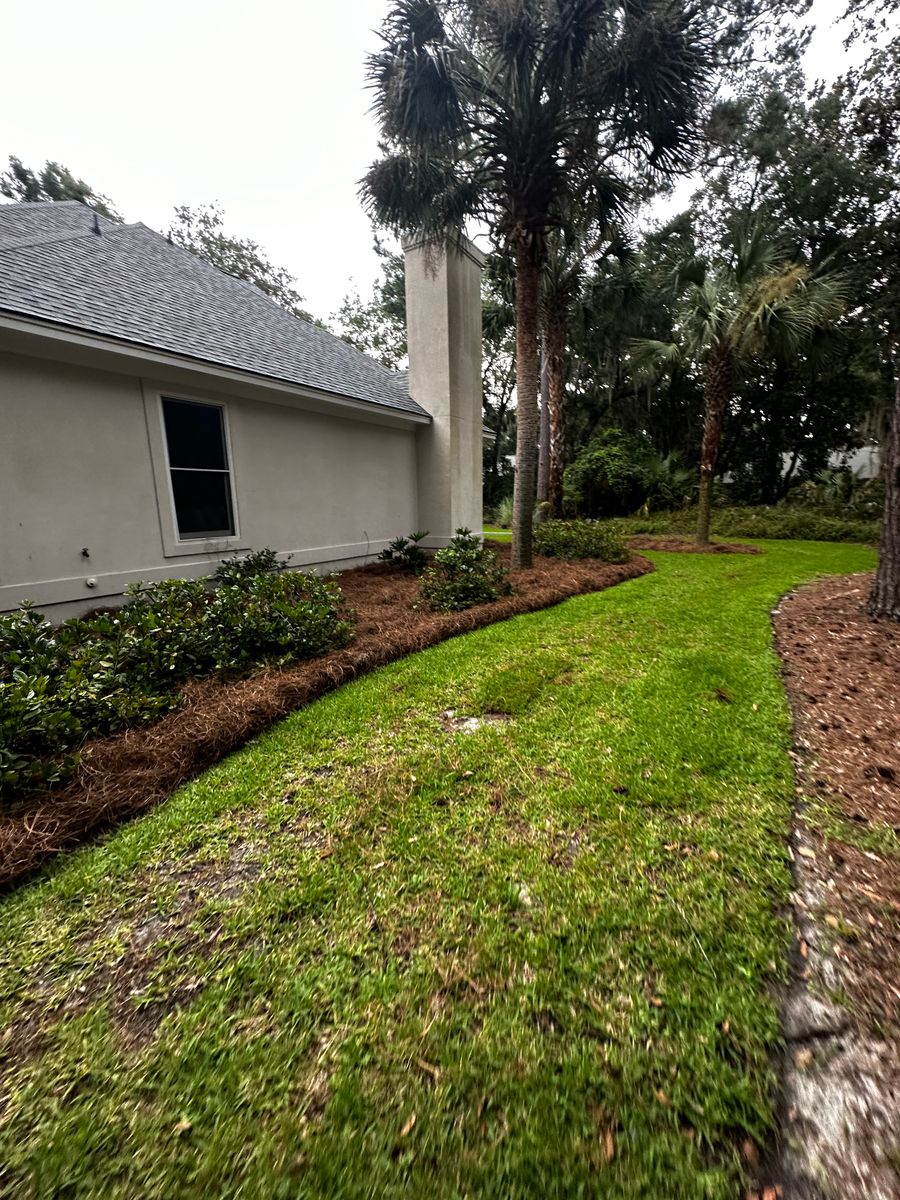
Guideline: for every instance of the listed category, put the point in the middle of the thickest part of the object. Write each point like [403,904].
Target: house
[157,415]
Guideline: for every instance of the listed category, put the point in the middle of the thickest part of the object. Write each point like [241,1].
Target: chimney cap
[459,242]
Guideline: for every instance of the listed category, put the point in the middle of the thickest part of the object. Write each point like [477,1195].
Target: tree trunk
[544,456]
[527,284]
[556,373]
[884,602]
[772,473]
[716,383]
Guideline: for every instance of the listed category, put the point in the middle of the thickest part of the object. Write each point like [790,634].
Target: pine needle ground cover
[388,950]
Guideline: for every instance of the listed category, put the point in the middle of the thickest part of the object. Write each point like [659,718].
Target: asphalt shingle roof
[131,284]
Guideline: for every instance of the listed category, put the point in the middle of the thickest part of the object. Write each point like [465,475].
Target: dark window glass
[202,503]
[196,436]
[198,462]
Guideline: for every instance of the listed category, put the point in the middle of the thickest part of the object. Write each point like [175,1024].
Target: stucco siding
[82,466]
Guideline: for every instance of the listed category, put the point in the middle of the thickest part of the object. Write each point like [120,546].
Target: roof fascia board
[75,346]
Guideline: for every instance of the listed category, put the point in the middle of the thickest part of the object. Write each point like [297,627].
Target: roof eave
[82,343]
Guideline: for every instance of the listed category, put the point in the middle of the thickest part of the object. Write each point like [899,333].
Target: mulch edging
[841,1064]
[130,772]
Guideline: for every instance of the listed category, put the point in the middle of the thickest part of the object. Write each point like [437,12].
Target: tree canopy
[202,231]
[52,181]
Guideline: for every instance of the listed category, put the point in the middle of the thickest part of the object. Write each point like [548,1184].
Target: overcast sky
[260,106]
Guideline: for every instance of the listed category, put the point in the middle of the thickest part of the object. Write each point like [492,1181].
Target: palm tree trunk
[716,383]
[527,284]
[884,602]
[544,439]
[556,372]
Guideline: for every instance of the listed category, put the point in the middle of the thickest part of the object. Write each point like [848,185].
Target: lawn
[376,955]
[496,534]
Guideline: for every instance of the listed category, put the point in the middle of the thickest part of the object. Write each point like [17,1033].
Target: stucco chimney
[443,321]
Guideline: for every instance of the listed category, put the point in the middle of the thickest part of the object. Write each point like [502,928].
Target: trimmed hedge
[580,539]
[789,523]
[93,675]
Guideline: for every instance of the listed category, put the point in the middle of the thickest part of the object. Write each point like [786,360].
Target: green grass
[551,941]
[495,533]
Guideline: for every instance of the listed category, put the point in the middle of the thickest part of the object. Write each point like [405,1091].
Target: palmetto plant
[758,305]
[503,111]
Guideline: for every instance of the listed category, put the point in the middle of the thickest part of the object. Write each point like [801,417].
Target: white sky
[260,106]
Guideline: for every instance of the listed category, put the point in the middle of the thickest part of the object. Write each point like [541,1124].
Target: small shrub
[464,574]
[277,618]
[580,539]
[32,729]
[406,551]
[257,562]
[503,513]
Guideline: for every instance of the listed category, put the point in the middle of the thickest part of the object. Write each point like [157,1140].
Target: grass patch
[496,534]
[370,957]
[826,816]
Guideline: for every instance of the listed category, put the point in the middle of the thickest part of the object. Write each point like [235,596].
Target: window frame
[174,544]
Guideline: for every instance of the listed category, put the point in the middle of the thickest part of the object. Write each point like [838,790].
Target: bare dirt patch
[841,1016]
[682,545]
[453,722]
[130,772]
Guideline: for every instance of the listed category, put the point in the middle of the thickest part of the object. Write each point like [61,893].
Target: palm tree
[504,110]
[756,305]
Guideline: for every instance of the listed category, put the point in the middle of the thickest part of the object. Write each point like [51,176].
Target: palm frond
[419,195]
[416,78]
[649,359]
[655,80]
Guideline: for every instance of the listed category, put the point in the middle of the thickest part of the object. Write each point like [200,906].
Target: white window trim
[174,545]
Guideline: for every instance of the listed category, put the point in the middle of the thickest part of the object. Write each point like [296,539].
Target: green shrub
[406,551]
[580,539]
[608,478]
[257,562]
[277,618]
[96,674]
[463,574]
[32,729]
[784,522]
[503,513]
[838,492]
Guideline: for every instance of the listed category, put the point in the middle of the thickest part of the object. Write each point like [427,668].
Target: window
[198,469]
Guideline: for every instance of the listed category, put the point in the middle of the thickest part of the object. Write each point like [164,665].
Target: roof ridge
[48,203]
[69,236]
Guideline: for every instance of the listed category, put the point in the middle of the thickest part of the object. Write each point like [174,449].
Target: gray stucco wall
[81,466]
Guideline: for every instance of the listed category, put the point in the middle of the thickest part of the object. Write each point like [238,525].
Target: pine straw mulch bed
[840,1071]
[842,673]
[129,772]
[648,541]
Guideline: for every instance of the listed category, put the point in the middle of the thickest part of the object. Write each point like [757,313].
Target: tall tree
[756,305]
[52,181]
[504,110]
[201,230]
[377,325]
[569,257]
